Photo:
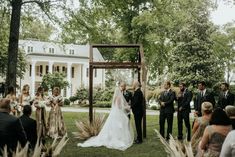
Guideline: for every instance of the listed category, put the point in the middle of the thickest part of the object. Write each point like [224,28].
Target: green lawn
[151,147]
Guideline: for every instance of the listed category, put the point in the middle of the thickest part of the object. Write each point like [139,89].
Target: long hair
[219,117]
[40,90]
[24,88]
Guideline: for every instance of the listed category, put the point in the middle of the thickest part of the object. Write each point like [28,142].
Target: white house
[47,57]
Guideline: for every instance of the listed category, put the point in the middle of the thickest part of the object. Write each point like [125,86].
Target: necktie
[201,94]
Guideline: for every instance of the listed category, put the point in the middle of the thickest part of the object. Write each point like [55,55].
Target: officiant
[127,95]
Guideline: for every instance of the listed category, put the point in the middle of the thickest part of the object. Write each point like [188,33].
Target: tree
[193,57]
[34,28]
[49,81]
[4,36]
[16,7]
[224,44]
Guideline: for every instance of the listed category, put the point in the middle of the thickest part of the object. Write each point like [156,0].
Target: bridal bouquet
[42,104]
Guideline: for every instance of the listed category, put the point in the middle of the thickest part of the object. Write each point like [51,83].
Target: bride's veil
[119,101]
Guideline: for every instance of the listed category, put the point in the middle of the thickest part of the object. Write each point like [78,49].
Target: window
[41,70]
[71,52]
[37,70]
[51,50]
[58,68]
[95,72]
[87,72]
[30,70]
[72,72]
[47,69]
[64,69]
[30,49]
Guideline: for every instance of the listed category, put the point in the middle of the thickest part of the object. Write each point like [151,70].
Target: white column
[50,66]
[68,93]
[85,78]
[33,77]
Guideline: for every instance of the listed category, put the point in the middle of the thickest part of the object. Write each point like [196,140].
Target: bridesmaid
[56,127]
[12,96]
[25,98]
[40,104]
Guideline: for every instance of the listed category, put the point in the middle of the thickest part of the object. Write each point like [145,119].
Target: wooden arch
[139,65]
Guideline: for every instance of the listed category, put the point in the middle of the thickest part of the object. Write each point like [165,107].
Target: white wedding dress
[117,132]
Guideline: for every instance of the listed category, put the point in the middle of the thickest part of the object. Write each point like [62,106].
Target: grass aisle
[151,147]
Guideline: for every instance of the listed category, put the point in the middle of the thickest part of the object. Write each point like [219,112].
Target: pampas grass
[52,150]
[87,129]
[175,148]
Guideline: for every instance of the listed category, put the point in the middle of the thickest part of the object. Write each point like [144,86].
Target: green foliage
[66,102]
[56,79]
[73,98]
[102,104]
[103,94]
[153,107]
[33,28]
[223,47]
[4,38]
[192,56]
[81,95]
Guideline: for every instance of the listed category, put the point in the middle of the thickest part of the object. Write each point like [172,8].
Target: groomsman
[225,97]
[127,95]
[166,100]
[202,95]
[138,110]
[184,98]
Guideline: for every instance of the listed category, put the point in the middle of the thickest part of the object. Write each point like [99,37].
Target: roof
[41,47]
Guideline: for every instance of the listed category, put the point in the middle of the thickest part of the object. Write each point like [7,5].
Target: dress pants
[183,116]
[138,122]
[163,117]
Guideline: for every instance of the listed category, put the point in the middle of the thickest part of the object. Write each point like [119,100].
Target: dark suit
[30,128]
[128,96]
[10,132]
[225,100]
[199,99]
[183,114]
[138,111]
[166,112]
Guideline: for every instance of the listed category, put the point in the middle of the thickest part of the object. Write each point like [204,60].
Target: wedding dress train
[117,132]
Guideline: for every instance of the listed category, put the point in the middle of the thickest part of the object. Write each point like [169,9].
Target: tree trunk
[13,43]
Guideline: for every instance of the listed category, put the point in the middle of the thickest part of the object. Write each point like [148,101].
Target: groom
[138,110]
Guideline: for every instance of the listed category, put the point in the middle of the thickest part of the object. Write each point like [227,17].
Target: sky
[224,13]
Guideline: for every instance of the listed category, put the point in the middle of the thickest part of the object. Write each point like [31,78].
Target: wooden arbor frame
[139,65]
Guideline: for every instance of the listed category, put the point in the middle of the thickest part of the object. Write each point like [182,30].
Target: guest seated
[228,148]
[200,124]
[230,110]
[29,125]
[215,134]
[11,131]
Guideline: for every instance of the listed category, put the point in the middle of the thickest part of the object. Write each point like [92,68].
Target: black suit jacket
[30,128]
[184,101]
[10,131]
[223,101]
[208,96]
[137,102]
[168,98]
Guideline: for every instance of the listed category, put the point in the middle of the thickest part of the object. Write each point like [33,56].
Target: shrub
[66,102]
[103,104]
[81,94]
[73,98]
[153,107]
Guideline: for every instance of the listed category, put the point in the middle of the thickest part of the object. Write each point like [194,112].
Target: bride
[117,132]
